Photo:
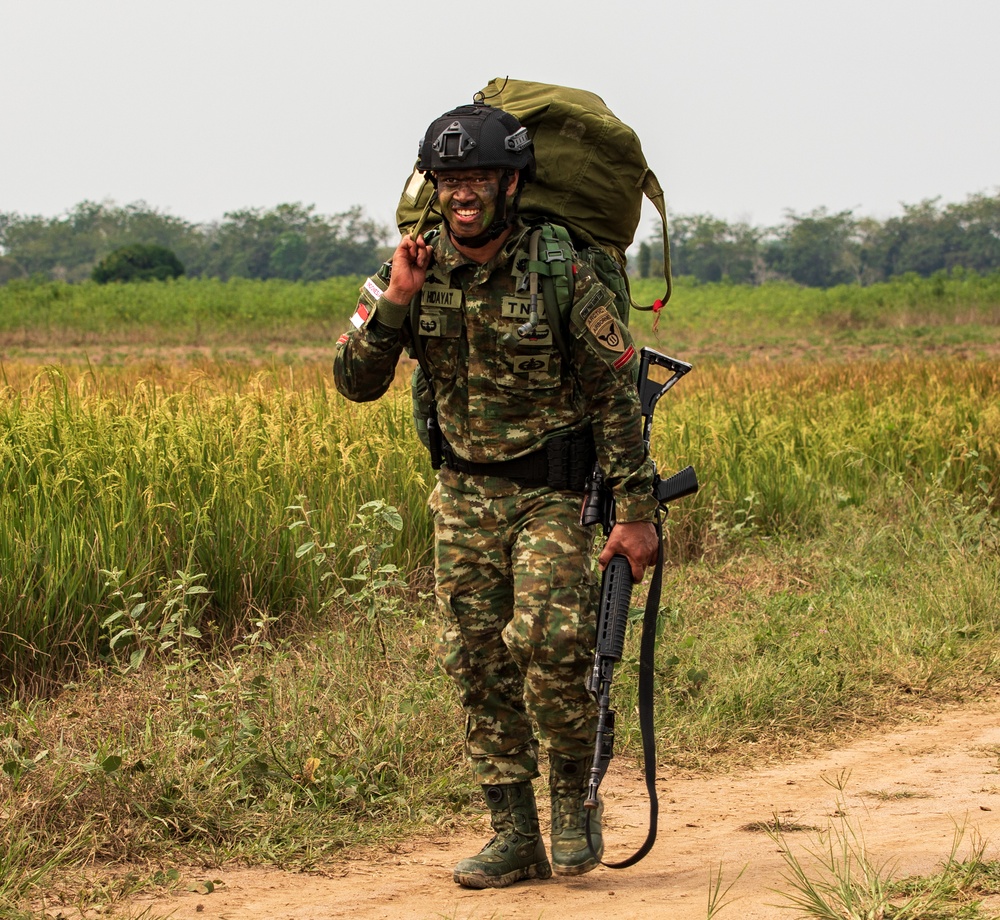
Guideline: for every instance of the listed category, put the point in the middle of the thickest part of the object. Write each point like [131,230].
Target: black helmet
[477,136]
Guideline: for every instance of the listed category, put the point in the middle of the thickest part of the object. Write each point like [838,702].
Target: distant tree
[138,263]
[291,241]
[924,240]
[712,250]
[68,246]
[979,219]
[645,260]
[817,249]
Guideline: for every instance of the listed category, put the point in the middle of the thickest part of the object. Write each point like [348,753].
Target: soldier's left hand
[636,541]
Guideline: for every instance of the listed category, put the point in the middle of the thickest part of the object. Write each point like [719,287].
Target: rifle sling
[647,646]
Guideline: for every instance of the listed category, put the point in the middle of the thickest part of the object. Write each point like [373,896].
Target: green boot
[570,853]
[516,851]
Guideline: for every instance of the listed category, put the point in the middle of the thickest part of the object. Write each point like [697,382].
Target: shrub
[138,263]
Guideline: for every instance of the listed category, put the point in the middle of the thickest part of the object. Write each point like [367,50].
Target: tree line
[823,249]
[292,241]
[289,241]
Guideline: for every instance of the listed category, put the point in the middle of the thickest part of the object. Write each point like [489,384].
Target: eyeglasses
[478,183]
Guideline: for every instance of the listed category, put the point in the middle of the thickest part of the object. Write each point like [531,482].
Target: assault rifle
[616,596]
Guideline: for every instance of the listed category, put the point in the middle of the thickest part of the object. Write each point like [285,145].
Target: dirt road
[904,791]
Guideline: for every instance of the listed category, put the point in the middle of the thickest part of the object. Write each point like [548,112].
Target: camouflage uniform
[513,574]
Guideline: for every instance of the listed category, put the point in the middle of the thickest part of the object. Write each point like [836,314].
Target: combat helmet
[480,136]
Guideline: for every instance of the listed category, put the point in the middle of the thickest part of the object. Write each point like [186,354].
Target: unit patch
[531,365]
[542,336]
[440,323]
[604,327]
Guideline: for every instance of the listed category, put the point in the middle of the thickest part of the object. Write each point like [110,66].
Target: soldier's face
[468,199]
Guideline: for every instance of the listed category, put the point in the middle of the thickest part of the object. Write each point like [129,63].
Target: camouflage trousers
[515,587]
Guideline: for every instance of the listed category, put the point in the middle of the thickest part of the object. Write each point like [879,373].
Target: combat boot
[570,853]
[516,850]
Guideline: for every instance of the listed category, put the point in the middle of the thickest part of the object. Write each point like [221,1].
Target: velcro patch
[604,327]
[415,186]
[531,365]
[625,358]
[358,320]
[440,324]
[372,288]
[541,337]
[440,295]
[519,308]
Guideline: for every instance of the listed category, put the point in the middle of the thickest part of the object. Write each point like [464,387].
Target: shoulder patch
[604,327]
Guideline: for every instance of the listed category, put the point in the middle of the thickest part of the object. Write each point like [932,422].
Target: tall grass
[105,472]
[148,482]
[841,559]
[778,445]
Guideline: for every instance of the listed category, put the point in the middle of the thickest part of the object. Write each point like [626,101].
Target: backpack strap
[554,269]
[651,188]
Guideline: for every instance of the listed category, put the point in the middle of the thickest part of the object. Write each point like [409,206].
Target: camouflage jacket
[499,396]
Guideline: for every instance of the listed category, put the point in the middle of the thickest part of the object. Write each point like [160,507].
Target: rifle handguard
[612,620]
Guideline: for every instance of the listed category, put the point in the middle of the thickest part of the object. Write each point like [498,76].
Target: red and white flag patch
[359,318]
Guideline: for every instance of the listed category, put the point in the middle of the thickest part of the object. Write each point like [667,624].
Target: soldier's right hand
[409,269]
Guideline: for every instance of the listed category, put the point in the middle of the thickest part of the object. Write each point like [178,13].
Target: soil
[902,792]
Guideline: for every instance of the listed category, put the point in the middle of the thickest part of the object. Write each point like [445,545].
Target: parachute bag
[591,174]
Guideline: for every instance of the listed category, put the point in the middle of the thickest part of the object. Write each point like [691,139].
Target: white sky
[745,108]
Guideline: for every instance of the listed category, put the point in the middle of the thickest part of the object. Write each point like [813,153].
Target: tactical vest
[538,338]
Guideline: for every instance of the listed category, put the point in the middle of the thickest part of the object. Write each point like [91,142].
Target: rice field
[147,471]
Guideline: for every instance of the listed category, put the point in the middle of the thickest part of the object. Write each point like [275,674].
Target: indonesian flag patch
[360,316]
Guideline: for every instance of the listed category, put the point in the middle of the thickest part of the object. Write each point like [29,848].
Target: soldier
[520,429]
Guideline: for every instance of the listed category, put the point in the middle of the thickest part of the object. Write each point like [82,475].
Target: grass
[105,471]
[840,880]
[209,655]
[960,310]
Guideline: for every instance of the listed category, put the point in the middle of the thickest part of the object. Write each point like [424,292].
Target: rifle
[616,596]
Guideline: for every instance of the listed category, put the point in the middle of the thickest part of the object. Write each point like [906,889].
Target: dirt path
[904,790]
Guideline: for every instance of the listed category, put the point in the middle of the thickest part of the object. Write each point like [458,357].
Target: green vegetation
[724,321]
[99,476]
[290,241]
[191,312]
[839,880]
[138,262]
[820,249]
[219,642]
[957,311]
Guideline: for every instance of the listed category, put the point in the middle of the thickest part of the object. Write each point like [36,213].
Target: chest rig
[533,325]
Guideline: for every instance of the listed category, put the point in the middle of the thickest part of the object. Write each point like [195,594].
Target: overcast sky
[746,108]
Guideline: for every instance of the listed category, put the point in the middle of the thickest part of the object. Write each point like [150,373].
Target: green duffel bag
[592,174]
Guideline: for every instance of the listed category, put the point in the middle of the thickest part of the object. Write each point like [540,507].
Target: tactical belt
[563,463]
